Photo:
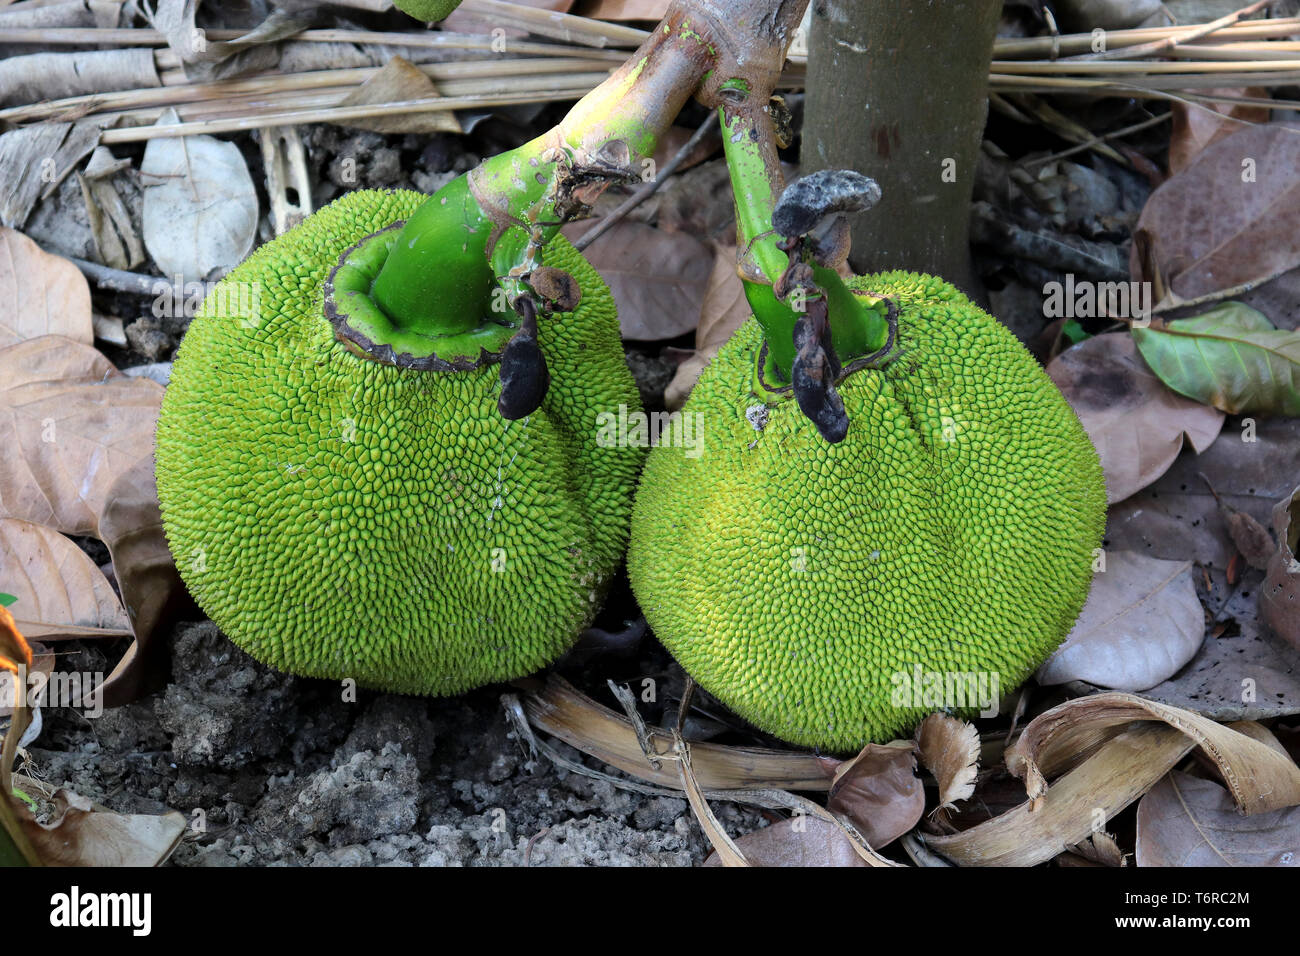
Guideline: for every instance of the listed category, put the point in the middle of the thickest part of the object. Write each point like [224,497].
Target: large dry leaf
[1141,623]
[1111,761]
[79,436]
[85,835]
[1102,785]
[61,593]
[1188,821]
[1259,776]
[1252,465]
[1279,598]
[200,207]
[68,435]
[1136,423]
[207,59]
[1251,675]
[878,790]
[950,750]
[1198,125]
[658,280]
[42,294]
[1225,222]
[802,841]
[723,311]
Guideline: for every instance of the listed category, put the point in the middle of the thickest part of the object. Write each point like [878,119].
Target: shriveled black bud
[799,273]
[524,375]
[814,372]
[813,329]
[806,202]
[557,288]
[819,400]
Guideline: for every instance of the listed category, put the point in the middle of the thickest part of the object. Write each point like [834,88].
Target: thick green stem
[858,326]
[486,230]
[431,296]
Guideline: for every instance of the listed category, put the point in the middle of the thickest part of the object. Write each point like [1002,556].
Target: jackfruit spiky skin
[341,518]
[952,530]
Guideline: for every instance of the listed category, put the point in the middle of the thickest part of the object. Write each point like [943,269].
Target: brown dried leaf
[561,710]
[1252,465]
[1102,785]
[68,436]
[400,80]
[801,841]
[61,593]
[1250,537]
[878,790]
[80,436]
[723,845]
[699,203]
[1198,125]
[1279,598]
[1136,423]
[85,835]
[658,280]
[43,294]
[950,750]
[1188,821]
[1106,778]
[1100,849]
[723,311]
[1142,622]
[1226,221]
[1259,776]
[677,137]
[131,526]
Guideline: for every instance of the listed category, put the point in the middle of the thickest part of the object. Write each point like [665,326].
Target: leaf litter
[1158,426]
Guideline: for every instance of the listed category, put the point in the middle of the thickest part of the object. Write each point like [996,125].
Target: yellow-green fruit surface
[342,518]
[809,585]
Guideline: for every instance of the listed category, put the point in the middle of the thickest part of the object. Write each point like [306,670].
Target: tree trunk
[898,90]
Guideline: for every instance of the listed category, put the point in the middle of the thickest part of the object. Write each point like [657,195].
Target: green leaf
[1073,332]
[1230,357]
[6,599]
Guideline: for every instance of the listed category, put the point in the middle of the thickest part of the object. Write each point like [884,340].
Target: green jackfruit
[342,518]
[814,588]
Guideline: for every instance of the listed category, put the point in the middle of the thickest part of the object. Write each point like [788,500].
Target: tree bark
[898,90]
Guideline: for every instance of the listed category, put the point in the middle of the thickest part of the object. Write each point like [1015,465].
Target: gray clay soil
[277,770]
